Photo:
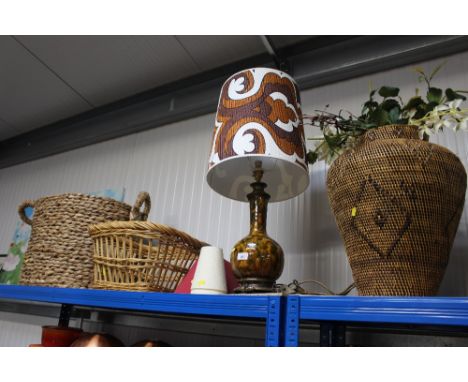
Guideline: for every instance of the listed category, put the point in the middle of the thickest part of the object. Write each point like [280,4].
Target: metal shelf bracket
[65,314]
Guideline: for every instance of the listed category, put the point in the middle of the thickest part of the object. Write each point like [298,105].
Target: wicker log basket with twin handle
[60,251]
[141,256]
[397,201]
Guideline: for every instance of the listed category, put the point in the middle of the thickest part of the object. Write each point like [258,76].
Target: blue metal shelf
[334,311]
[437,311]
[265,307]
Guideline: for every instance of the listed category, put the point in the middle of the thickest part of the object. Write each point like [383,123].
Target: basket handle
[142,198]
[22,211]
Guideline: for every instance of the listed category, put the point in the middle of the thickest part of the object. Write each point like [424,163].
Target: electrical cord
[296,288]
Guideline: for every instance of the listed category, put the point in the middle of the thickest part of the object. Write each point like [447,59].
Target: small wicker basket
[141,256]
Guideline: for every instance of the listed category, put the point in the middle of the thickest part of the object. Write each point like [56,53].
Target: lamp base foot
[255,286]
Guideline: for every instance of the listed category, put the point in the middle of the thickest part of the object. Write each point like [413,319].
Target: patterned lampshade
[259,118]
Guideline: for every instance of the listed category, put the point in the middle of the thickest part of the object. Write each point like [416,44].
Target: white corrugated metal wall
[171,163]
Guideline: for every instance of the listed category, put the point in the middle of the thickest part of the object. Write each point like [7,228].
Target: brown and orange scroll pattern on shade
[259,112]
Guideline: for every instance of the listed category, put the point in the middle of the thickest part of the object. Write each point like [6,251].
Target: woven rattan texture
[60,249]
[141,256]
[397,201]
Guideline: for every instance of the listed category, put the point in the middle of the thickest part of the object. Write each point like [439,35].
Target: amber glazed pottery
[397,201]
[257,260]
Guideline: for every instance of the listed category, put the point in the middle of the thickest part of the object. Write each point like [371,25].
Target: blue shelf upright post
[273,322]
[291,336]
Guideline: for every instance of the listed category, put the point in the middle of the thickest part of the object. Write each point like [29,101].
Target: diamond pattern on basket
[390,219]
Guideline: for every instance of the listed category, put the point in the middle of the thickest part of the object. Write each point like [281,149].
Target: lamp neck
[258,200]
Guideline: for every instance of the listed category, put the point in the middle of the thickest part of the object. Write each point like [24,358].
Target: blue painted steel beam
[440,311]
[219,305]
[445,311]
[265,307]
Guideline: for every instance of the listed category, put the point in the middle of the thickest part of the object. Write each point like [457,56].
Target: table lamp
[258,155]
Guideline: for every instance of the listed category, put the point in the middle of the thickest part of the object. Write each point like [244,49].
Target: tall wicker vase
[397,201]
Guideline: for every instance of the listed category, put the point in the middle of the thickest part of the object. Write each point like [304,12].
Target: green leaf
[394,114]
[402,121]
[451,95]
[413,103]
[389,104]
[430,106]
[331,139]
[380,117]
[388,91]
[421,110]
[434,95]
[312,157]
[424,108]
[369,106]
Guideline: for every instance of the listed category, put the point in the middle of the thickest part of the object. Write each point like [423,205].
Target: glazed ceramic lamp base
[257,260]
[255,285]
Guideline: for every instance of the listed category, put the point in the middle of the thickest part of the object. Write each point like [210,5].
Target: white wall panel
[14,333]
[171,163]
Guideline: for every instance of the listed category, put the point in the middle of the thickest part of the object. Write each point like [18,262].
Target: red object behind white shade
[186,283]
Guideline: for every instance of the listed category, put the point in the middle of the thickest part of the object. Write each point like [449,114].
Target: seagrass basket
[60,251]
[141,256]
[397,201]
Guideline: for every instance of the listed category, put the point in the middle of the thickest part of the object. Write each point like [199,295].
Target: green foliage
[339,132]
[451,95]
[434,95]
[413,103]
[388,91]
[312,157]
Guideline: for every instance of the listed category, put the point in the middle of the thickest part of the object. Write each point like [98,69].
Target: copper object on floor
[151,344]
[97,340]
[59,336]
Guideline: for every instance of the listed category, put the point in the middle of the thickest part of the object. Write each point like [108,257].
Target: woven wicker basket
[60,249]
[141,256]
[397,201]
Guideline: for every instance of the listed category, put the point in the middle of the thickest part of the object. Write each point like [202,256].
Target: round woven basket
[141,256]
[397,201]
[60,250]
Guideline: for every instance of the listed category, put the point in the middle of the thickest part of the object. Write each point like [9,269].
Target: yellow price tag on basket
[353,211]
